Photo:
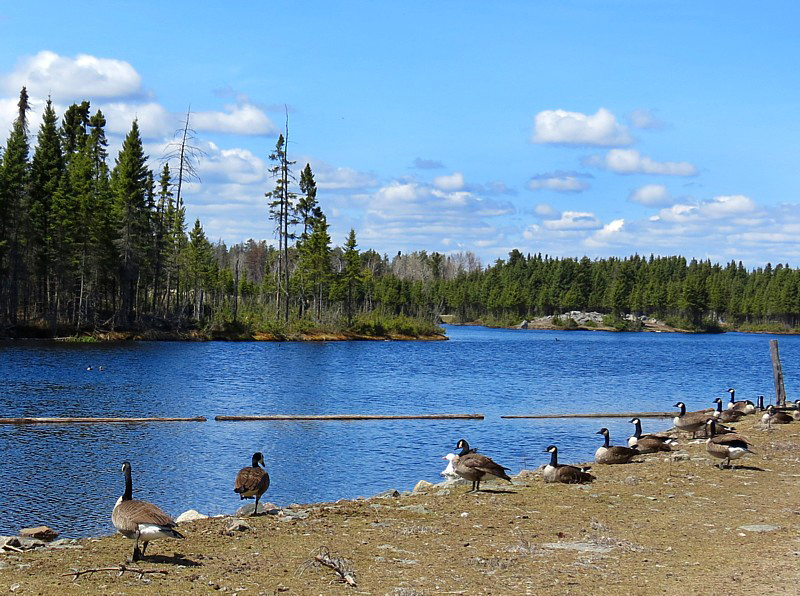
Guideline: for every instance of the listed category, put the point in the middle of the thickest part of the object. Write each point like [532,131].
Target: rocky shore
[673,524]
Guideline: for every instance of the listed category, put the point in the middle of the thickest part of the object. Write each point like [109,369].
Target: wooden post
[777,373]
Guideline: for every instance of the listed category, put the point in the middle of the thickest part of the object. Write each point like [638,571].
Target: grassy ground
[670,526]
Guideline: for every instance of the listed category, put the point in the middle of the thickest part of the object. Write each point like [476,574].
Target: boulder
[392,493]
[422,486]
[250,509]
[238,525]
[40,533]
[190,515]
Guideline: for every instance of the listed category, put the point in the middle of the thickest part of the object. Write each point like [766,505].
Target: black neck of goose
[255,460]
[712,428]
[128,494]
[464,449]
[719,406]
[554,457]
[683,409]
[638,431]
[732,400]
[760,402]
[606,444]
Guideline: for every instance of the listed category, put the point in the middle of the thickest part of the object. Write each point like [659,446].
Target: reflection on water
[68,476]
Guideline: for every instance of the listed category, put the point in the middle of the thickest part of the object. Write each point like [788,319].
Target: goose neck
[128,494]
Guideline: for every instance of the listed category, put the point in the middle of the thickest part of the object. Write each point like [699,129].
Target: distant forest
[87,246]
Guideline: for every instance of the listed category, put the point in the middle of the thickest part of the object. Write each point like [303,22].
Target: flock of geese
[143,522]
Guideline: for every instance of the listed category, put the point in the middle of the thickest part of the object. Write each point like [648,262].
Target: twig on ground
[120,569]
[341,566]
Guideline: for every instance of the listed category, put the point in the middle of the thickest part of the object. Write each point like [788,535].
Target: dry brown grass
[670,528]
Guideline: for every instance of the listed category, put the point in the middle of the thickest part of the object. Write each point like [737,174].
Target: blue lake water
[68,476]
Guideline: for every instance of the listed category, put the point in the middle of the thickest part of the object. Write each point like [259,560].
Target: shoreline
[654,524]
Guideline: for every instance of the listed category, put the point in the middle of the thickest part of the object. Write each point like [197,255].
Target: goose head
[712,426]
[681,406]
[463,445]
[732,391]
[718,401]
[602,431]
[551,449]
[258,458]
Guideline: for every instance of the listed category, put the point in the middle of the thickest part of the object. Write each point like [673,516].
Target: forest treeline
[87,245]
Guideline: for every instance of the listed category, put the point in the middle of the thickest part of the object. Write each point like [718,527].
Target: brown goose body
[648,443]
[690,422]
[476,467]
[728,446]
[556,472]
[252,481]
[613,454]
[774,416]
[746,406]
[140,520]
[729,415]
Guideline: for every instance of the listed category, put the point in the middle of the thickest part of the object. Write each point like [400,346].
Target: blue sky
[567,128]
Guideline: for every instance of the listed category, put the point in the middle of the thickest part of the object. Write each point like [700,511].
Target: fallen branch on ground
[76,573]
[341,566]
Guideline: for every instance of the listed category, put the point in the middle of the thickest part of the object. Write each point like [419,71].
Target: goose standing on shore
[140,520]
[613,454]
[252,481]
[648,443]
[746,406]
[476,467]
[729,446]
[556,472]
[690,422]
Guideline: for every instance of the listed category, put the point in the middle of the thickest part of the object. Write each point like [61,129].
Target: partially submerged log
[599,415]
[352,417]
[94,420]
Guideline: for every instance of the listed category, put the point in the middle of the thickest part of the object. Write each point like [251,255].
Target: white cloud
[652,195]
[454,181]
[575,128]
[154,120]
[545,210]
[69,79]
[645,119]
[611,233]
[630,161]
[573,220]
[240,166]
[559,182]
[240,119]
[721,207]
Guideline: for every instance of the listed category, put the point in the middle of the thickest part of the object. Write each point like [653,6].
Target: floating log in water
[352,417]
[94,420]
[600,415]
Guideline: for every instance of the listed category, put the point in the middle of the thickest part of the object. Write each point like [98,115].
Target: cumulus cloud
[68,79]
[240,119]
[575,128]
[545,210]
[227,166]
[573,220]
[454,181]
[154,120]
[559,182]
[652,195]
[630,161]
[720,207]
[609,234]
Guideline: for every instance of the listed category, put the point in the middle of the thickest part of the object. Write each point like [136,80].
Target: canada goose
[140,520]
[727,447]
[555,472]
[730,415]
[252,481]
[449,472]
[607,454]
[690,422]
[773,416]
[476,467]
[745,406]
[648,443]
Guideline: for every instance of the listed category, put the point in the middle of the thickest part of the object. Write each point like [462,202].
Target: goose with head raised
[690,422]
[613,454]
[140,520]
[252,481]
[729,415]
[476,467]
[556,472]
[648,443]
[746,406]
[727,447]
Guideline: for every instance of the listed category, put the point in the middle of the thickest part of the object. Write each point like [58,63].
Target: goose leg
[144,547]
[255,510]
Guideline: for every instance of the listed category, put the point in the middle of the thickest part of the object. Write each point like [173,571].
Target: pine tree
[352,273]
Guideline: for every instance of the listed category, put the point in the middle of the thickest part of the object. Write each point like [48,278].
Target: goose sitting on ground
[746,406]
[449,472]
[476,467]
[690,422]
[796,413]
[252,481]
[729,415]
[774,416]
[608,454]
[140,520]
[727,447]
[648,443]
[556,472]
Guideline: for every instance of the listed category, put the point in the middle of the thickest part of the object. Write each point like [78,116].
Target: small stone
[40,533]
[191,515]
[631,480]
[759,528]
[415,509]
[464,514]
[250,509]
[421,486]
[238,525]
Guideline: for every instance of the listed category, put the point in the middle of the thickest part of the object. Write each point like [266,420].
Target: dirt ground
[667,525]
